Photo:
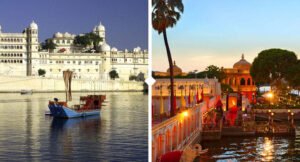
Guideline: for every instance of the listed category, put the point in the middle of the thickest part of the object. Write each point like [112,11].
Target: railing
[176,132]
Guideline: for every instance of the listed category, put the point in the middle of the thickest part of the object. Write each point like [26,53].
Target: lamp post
[270,96]
[269,113]
[272,118]
[292,118]
[289,113]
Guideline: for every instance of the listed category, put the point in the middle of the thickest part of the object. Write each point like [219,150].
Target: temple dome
[104,47]
[100,27]
[242,64]
[176,70]
[33,25]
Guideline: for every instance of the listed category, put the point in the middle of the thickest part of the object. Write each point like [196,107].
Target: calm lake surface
[254,149]
[119,134]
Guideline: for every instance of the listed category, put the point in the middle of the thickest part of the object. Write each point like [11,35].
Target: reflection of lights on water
[268,149]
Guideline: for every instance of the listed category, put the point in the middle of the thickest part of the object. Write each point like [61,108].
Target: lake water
[120,134]
[254,149]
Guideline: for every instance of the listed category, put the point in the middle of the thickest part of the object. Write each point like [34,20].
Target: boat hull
[60,111]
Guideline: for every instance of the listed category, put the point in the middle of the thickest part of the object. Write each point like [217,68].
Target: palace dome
[114,49]
[33,25]
[100,27]
[137,49]
[67,35]
[104,47]
[242,64]
[176,70]
[58,35]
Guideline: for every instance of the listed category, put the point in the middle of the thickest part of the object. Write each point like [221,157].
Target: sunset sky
[218,32]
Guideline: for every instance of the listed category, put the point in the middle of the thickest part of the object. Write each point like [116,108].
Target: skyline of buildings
[20,55]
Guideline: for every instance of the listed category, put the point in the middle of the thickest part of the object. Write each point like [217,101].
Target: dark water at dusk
[254,149]
[120,134]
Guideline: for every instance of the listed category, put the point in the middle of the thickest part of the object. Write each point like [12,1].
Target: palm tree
[165,14]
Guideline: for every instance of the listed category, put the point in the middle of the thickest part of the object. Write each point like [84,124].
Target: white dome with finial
[100,27]
[104,47]
[33,25]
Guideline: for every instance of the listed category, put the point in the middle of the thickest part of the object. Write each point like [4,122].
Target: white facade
[20,56]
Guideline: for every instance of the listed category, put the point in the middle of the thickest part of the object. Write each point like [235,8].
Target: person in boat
[55,101]
[96,104]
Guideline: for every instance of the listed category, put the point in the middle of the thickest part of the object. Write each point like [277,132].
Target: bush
[42,72]
[113,74]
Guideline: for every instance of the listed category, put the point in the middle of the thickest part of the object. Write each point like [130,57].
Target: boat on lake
[89,105]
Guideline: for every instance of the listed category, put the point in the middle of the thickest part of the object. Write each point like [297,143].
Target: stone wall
[40,84]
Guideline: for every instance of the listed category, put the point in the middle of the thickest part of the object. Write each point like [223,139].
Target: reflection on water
[254,149]
[119,134]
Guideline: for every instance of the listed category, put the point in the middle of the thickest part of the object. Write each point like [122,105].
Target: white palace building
[20,55]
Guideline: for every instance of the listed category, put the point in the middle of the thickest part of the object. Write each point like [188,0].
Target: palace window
[242,82]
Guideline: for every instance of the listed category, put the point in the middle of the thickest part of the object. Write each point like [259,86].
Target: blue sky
[218,32]
[126,22]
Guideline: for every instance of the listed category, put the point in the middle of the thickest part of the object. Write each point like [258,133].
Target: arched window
[248,81]
[242,82]
[230,81]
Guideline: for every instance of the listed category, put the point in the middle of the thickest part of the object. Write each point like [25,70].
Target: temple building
[20,55]
[177,71]
[240,80]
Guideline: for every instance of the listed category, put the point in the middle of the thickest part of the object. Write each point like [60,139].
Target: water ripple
[120,134]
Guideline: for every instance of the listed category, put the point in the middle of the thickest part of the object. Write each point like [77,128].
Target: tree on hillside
[87,39]
[272,65]
[165,14]
[48,44]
